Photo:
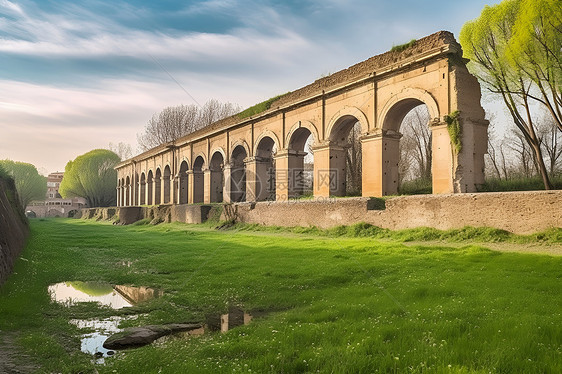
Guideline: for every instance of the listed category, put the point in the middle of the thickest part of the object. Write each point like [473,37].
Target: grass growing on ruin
[333,303]
[259,108]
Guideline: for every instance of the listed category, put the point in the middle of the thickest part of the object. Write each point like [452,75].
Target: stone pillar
[289,174]
[442,163]
[380,157]
[175,190]
[322,176]
[252,184]
[118,190]
[190,179]
[227,183]
[329,170]
[207,186]
[157,192]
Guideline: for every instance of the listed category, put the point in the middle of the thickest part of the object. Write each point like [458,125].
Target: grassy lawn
[328,303]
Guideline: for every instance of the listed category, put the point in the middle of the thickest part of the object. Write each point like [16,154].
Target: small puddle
[113,296]
[92,343]
[116,297]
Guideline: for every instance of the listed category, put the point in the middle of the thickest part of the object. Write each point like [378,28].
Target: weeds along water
[332,302]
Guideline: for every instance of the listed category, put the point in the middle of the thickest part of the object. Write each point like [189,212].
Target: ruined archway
[345,157]
[300,162]
[142,187]
[263,165]
[238,174]
[392,168]
[150,188]
[183,183]
[166,183]
[198,180]
[158,187]
[216,168]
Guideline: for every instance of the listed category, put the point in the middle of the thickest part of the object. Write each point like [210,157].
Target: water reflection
[224,322]
[92,343]
[116,297]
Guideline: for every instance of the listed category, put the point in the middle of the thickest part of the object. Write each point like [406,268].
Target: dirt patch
[11,360]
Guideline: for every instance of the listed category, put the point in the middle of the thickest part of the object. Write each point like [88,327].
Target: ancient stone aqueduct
[262,157]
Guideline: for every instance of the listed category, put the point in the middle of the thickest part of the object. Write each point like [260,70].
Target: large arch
[334,126]
[263,185]
[166,182]
[392,116]
[150,188]
[183,182]
[237,181]
[198,180]
[158,187]
[403,102]
[216,168]
[345,154]
[300,163]
[142,189]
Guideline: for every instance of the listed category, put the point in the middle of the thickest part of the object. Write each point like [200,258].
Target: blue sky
[77,75]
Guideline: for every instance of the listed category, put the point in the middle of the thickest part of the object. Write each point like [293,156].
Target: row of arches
[270,172]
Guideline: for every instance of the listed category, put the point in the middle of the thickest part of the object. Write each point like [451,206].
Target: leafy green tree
[30,185]
[505,57]
[535,49]
[93,177]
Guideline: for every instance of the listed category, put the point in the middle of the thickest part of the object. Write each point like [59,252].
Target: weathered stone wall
[13,228]
[156,214]
[517,212]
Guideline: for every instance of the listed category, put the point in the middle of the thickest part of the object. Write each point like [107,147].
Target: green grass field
[329,302]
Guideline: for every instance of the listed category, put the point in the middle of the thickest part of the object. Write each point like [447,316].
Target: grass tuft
[259,108]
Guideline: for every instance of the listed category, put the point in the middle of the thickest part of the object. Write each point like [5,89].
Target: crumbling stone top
[374,64]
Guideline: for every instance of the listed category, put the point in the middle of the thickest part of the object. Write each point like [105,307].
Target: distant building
[54,205]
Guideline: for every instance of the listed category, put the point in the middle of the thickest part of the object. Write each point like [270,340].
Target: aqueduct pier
[261,157]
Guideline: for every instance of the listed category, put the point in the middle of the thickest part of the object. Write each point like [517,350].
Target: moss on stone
[402,47]
[455,130]
[259,108]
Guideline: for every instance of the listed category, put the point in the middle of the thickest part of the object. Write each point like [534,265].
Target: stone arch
[262,187]
[200,160]
[400,104]
[297,129]
[158,186]
[150,188]
[391,117]
[166,182]
[299,163]
[216,169]
[142,189]
[242,143]
[344,115]
[183,182]
[266,134]
[345,152]
[237,175]
[198,179]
